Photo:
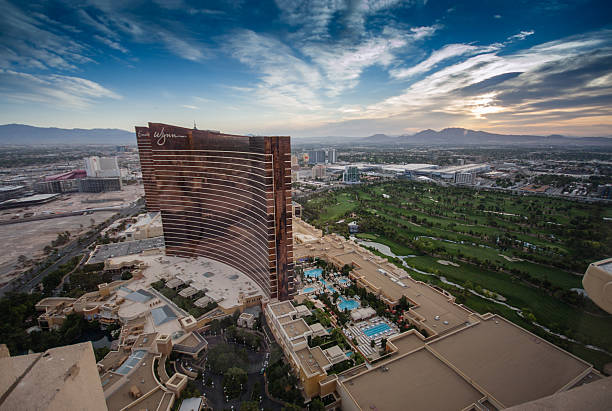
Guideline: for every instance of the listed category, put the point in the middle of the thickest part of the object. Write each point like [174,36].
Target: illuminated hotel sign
[161,136]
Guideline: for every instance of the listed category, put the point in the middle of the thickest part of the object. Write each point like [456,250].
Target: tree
[383,343]
[316,405]
[372,343]
[249,406]
[234,380]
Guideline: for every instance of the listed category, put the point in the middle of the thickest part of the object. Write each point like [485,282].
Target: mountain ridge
[21,134]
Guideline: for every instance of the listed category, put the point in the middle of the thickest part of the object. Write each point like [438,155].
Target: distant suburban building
[318,171]
[353,227]
[102,167]
[316,157]
[331,156]
[605,191]
[225,197]
[464,178]
[99,185]
[8,192]
[351,175]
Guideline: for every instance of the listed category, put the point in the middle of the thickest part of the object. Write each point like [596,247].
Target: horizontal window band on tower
[258,234]
[223,197]
[184,216]
[171,199]
[253,246]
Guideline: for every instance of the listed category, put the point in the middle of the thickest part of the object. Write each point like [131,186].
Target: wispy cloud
[57,90]
[190,107]
[572,72]
[522,35]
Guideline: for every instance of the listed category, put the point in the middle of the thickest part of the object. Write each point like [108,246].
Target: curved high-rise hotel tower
[223,197]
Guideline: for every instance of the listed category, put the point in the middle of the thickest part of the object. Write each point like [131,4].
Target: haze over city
[310,68]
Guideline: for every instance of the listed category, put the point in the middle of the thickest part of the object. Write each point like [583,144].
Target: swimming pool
[313,273]
[370,332]
[349,353]
[345,304]
[308,290]
[343,281]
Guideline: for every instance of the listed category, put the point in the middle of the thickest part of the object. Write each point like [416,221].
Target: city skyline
[302,69]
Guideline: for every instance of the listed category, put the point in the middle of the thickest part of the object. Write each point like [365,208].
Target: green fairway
[530,250]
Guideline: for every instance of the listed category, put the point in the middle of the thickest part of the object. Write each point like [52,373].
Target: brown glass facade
[146,165]
[225,197]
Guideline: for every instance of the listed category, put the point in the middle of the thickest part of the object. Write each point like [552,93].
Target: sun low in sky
[310,68]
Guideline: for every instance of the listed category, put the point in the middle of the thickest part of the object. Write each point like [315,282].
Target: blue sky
[311,68]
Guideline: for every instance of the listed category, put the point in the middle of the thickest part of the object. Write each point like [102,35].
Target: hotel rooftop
[469,361]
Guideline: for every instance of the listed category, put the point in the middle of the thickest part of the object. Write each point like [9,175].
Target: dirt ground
[30,238]
[79,201]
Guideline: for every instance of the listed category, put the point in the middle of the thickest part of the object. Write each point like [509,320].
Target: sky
[309,68]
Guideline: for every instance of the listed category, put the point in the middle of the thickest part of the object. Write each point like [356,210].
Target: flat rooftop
[512,364]
[140,376]
[296,328]
[418,381]
[55,379]
[312,359]
[282,308]
[104,251]
[221,281]
[506,362]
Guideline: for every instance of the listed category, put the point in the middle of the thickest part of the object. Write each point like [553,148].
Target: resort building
[292,334]
[224,197]
[58,379]
[453,359]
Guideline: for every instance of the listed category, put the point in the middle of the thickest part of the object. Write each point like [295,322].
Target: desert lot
[30,238]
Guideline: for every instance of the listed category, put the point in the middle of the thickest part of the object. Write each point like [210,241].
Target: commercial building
[316,157]
[292,334]
[464,178]
[28,201]
[331,156]
[99,185]
[350,175]
[102,167]
[227,198]
[318,171]
[147,225]
[56,186]
[9,192]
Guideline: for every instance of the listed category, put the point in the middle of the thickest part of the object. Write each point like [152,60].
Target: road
[73,249]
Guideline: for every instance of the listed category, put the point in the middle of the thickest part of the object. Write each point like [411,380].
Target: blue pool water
[376,329]
[343,281]
[347,304]
[313,273]
[349,353]
[308,289]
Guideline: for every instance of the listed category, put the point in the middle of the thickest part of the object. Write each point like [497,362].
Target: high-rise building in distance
[224,197]
[316,157]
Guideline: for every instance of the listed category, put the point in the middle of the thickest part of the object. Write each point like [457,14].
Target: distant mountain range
[462,137]
[11,134]
[465,137]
